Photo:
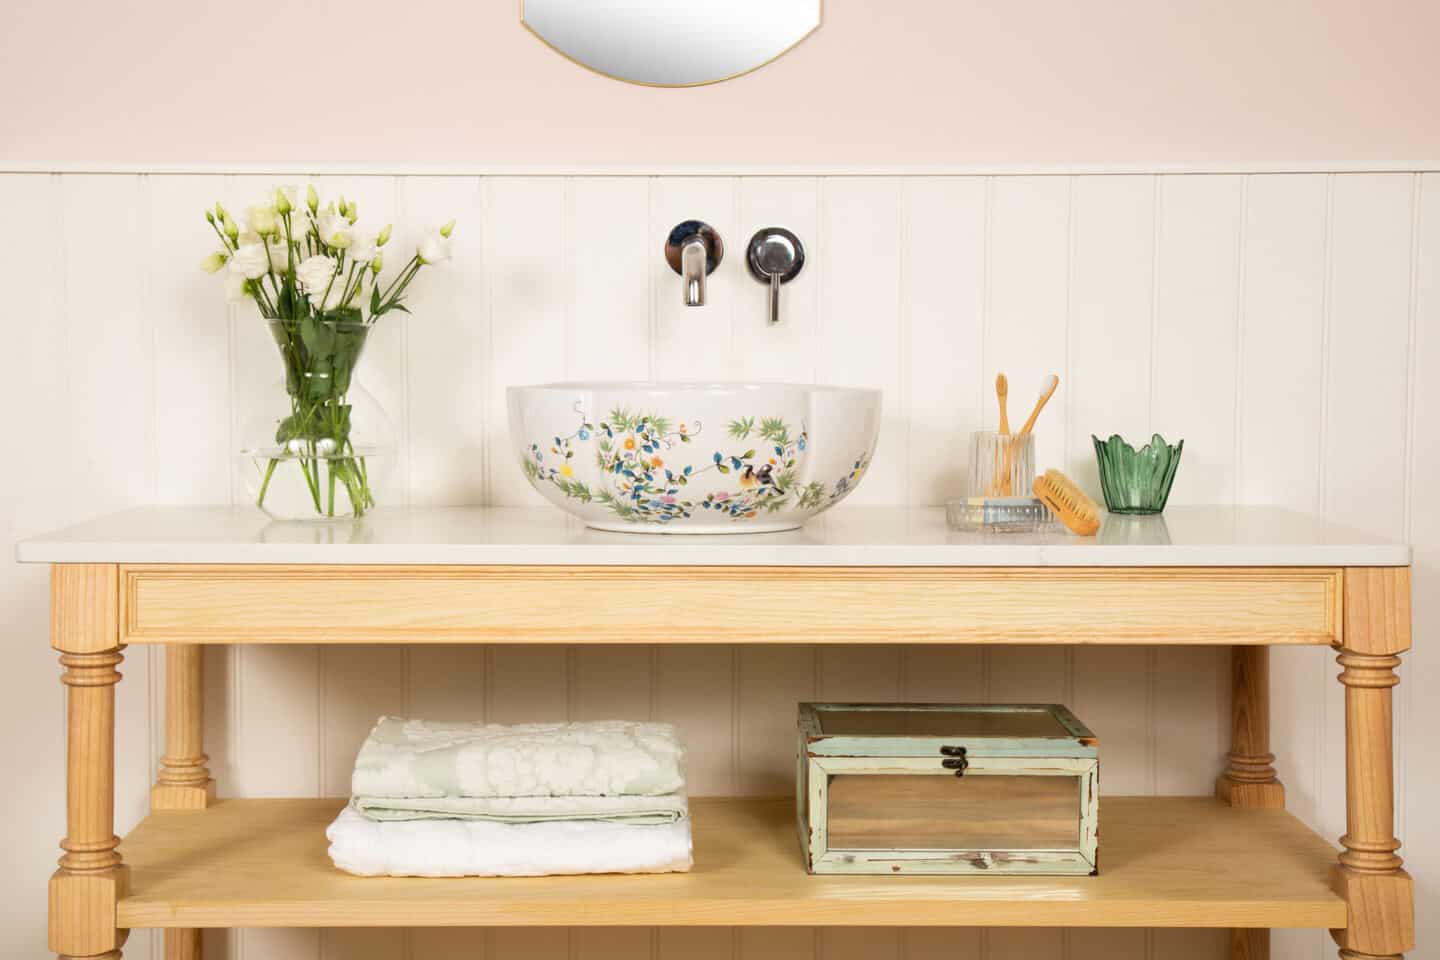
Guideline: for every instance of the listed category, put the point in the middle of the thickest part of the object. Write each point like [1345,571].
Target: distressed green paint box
[918,788]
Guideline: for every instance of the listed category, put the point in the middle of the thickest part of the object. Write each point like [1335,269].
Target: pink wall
[178,82]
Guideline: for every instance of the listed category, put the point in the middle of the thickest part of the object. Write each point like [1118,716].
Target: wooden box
[947,789]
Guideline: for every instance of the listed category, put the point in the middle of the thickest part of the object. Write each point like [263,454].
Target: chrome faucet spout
[692,270]
[693,250]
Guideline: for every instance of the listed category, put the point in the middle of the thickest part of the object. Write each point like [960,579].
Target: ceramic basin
[694,457]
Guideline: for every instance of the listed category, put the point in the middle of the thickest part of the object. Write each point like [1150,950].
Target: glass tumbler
[1001,465]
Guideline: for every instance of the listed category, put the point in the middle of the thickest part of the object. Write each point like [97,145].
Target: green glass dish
[1137,481]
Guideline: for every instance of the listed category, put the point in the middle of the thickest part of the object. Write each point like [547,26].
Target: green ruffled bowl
[1137,481]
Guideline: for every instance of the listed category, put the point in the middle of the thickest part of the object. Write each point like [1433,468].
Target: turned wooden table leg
[182,944]
[1249,778]
[1381,923]
[184,781]
[84,609]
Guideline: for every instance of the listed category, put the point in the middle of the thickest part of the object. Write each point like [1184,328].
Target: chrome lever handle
[775,256]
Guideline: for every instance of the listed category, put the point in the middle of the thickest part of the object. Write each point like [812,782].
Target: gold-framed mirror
[665,43]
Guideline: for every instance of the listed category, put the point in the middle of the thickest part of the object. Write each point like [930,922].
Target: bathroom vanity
[1247,578]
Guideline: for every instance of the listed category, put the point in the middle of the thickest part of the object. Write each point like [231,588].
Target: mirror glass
[669,43]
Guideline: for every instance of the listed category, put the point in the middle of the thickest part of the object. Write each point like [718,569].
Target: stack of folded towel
[485,800]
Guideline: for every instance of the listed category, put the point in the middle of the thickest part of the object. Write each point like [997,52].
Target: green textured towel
[613,771]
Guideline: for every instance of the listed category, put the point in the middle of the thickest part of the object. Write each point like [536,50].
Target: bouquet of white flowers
[315,276]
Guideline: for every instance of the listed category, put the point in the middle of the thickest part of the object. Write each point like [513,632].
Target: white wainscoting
[1286,325]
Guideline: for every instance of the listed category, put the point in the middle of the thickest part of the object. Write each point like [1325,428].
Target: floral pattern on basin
[648,460]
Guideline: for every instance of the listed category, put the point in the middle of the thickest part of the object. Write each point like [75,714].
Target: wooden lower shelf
[1164,862]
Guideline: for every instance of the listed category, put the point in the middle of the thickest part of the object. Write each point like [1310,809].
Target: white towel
[418,758]
[635,810]
[478,848]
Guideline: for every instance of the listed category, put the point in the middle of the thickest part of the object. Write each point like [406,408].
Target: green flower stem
[388,299]
[224,239]
[326,295]
[270,269]
[345,291]
[312,476]
[265,484]
[414,259]
[267,308]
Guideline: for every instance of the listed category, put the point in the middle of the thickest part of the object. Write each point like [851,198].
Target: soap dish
[997,514]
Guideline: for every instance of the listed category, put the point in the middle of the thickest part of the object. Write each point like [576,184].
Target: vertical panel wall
[1283,324]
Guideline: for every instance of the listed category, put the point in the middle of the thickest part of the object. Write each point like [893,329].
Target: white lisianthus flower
[363,247]
[288,199]
[213,263]
[325,302]
[250,261]
[314,274]
[262,220]
[299,224]
[279,255]
[335,230]
[434,249]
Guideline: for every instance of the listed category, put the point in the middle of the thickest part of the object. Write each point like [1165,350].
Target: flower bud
[344,207]
[384,236]
[376,264]
[353,213]
[219,211]
[262,220]
[232,229]
[448,229]
[213,263]
[282,202]
[209,218]
[312,199]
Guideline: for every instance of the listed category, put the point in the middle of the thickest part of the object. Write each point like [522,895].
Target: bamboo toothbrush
[1002,391]
[1000,476]
[1047,390]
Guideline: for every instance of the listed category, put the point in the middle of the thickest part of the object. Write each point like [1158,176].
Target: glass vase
[320,448]
[1137,481]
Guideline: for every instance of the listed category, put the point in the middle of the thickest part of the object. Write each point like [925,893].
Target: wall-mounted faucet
[775,256]
[694,250]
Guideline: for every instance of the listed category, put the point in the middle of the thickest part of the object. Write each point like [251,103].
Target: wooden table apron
[97,609]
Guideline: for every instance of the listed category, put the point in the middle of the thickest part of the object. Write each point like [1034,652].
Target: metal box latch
[955,759]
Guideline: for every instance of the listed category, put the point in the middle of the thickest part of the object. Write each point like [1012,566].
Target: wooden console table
[1247,578]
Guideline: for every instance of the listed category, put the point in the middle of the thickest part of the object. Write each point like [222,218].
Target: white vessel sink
[694,457]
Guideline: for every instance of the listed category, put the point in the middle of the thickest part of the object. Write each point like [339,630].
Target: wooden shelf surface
[1178,862]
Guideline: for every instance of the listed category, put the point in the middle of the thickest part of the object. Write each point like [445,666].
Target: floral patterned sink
[694,457]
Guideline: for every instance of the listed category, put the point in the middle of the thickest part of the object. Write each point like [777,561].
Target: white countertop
[850,536]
